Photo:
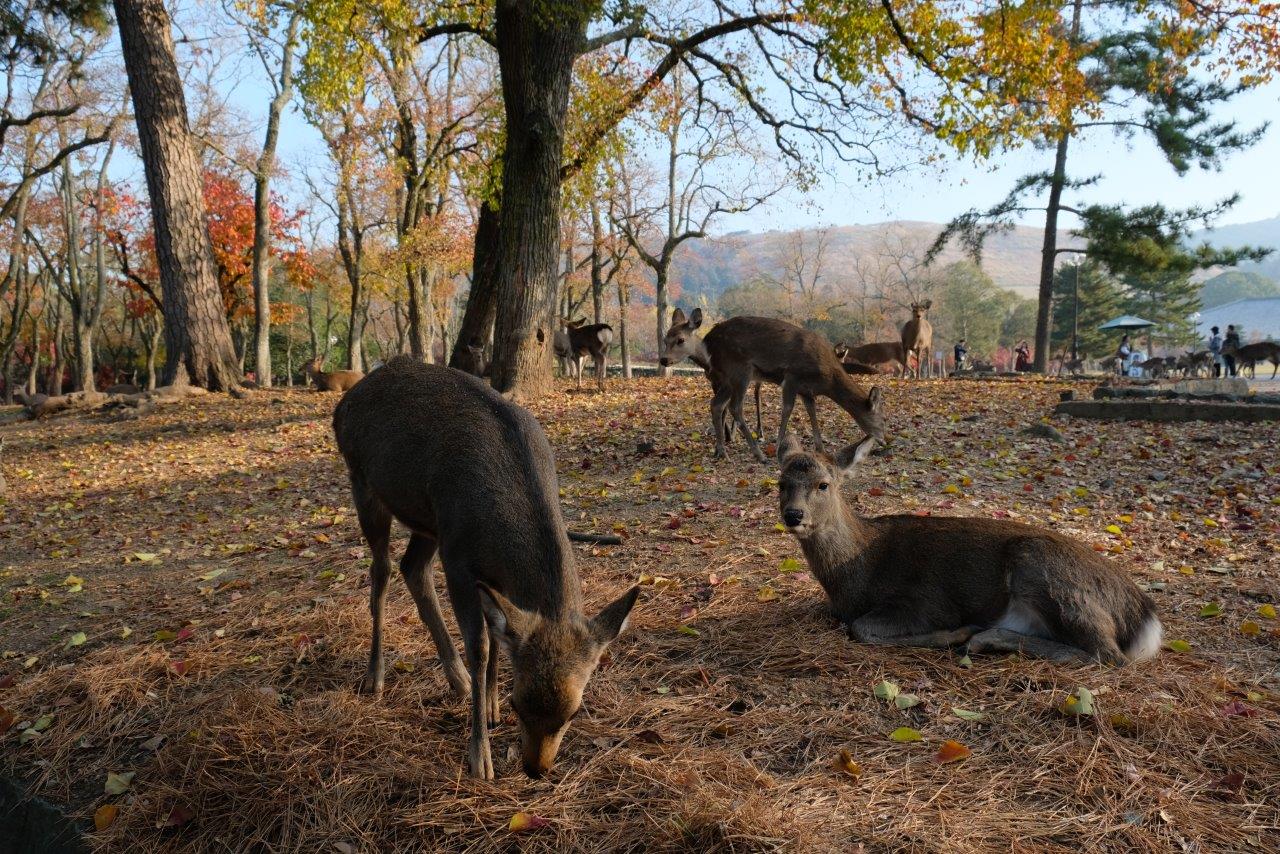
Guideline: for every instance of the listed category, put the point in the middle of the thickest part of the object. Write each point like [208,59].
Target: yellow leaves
[846,765]
[1210,523]
[1250,628]
[1267,612]
[790,564]
[968,715]
[523,821]
[1211,609]
[1179,646]
[905,735]
[73,583]
[766,594]
[951,489]
[118,784]
[143,557]
[1079,703]
[76,639]
[104,816]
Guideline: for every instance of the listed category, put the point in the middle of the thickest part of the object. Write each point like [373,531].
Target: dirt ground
[184,619]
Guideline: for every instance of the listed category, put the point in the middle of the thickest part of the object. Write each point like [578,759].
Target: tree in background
[198,344]
[1168,299]
[1138,80]
[1087,287]
[1236,284]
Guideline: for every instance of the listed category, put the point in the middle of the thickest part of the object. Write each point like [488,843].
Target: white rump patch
[1147,642]
[1021,618]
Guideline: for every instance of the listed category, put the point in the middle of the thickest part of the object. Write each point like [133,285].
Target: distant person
[1215,351]
[1122,354]
[1230,345]
[1023,356]
[961,353]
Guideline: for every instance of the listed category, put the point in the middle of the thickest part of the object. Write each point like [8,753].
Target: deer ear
[875,398]
[927,304]
[789,448]
[510,623]
[695,319]
[677,316]
[848,457]
[611,622]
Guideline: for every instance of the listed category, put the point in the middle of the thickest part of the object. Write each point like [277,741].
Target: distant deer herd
[472,476]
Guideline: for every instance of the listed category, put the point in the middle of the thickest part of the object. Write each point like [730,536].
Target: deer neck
[700,356]
[834,553]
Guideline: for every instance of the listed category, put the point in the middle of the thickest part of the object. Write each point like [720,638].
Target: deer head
[551,662]
[680,342]
[809,485]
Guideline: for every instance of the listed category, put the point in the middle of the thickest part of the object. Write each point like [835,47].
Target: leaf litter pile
[185,618]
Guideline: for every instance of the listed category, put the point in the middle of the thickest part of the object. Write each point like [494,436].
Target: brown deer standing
[917,338]
[883,356]
[1250,355]
[331,381]
[742,350]
[590,340]
[472,475]
[938,581]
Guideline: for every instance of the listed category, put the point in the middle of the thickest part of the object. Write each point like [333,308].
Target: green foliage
[1168,298]
[969,305]
[1101,298]
[1236,284]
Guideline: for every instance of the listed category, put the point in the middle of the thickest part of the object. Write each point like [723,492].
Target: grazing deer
[331,381]
[1155,366]
[472,475]
[917,338]
[742,350]
[938,581]
[576,341]
[883,356]
[1192,363]
[1250,355]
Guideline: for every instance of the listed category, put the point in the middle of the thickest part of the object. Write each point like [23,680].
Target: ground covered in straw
[184,619]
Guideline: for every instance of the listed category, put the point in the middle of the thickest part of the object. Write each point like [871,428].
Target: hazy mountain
[1012,259]
[708,267]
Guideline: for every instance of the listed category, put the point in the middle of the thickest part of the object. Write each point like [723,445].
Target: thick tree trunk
[197,340]
[482,301]
[597,263]
[537,45]
[624,301]
[417,320]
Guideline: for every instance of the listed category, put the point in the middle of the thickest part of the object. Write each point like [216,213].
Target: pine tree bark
[198,345]
[537,45]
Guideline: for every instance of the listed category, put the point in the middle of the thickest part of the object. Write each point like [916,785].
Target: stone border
[32,825]
[1168,410]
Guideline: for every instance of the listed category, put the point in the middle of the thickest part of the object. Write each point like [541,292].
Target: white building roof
[1257,318]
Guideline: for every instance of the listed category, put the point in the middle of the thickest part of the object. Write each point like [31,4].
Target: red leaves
[951,751]
[1237,709]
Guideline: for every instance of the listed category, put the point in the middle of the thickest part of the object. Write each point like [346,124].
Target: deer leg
[1007,640]
[475,641]
[811,405]
[788,404]
[739,394]
[759,428]
[375,523]
[719,404]
[417,571]
[892,630]
[491,682]
[602,367]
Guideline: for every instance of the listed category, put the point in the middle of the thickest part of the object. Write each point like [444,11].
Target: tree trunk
[262,208]
[1049,251]
[597,262]
[537,45]
[153,347]
[197,339]
[482,301]
[417,320]
[624,302]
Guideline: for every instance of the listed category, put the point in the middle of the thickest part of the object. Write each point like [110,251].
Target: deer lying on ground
[883,357]
[742,350]
[577,341]
[917,338]
[333,380]
[939,581]
[1250,355]
[472,475]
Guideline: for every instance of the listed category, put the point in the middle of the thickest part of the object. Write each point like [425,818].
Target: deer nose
[792,516]
[663,361]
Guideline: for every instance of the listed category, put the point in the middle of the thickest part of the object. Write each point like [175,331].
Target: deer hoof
[481,762]
[460,682]
[370,685]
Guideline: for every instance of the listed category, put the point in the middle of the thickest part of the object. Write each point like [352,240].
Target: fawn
[939,581]
[471,475]
[331,380]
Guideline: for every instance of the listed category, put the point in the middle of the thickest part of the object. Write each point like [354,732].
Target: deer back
[447,455]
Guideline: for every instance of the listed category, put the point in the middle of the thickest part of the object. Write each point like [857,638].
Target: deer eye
[823,486]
